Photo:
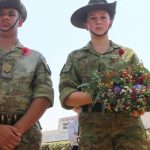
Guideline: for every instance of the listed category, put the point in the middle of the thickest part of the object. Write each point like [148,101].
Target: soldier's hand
[7,147]
[9,137]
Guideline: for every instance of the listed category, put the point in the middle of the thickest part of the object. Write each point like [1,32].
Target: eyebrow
[12,11]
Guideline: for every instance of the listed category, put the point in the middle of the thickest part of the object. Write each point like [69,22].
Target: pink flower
[121,51]
[26,51]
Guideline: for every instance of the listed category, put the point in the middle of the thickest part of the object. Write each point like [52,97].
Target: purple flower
[117,89]
[137,86]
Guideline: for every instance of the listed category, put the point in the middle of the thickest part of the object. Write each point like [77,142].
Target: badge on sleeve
[67,67]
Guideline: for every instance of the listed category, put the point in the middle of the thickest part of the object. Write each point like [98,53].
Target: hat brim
[23,12]
[16,4]
[78,18]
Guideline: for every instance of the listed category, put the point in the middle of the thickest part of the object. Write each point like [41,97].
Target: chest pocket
[109,61]
[84,67]
[7,67]
[100,63]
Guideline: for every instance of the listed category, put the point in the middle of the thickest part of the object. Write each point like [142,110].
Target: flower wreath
[124,88]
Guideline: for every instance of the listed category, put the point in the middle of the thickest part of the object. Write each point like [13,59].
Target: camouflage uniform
[101,131]
[22,78]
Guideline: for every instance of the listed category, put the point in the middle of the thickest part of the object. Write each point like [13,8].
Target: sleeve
[131,56]
[42,83]
[68,81]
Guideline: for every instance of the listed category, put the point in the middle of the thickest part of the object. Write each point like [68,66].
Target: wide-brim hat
[16,4]
[79,16]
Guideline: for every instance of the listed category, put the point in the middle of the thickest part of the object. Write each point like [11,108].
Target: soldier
[99,129]
[25,83]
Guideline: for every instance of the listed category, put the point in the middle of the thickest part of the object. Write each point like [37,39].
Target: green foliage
[61,145]
[123,87]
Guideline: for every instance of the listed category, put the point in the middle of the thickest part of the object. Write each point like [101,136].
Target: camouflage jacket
[24,75]
[80,62]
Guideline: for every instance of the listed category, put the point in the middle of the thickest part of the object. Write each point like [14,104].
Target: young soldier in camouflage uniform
[25,83]
[98,130]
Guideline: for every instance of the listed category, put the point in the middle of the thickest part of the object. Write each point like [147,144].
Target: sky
[49,31]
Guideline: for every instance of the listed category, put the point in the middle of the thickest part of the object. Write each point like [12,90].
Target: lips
[5,24]
[99,28]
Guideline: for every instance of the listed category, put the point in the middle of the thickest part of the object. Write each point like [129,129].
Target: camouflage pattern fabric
[111,131]
[101,131]
[31,139]
[24,77]
[148,137]
[81,62]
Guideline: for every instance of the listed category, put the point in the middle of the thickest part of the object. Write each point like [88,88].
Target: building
[61,134]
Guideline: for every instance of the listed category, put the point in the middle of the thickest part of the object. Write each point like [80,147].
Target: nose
[98,21]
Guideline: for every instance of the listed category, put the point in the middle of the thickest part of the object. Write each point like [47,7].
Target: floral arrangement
[125,88]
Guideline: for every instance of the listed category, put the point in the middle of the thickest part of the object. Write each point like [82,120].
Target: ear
[20,22]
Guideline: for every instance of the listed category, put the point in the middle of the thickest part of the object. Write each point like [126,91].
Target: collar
[113,47]
[17,47]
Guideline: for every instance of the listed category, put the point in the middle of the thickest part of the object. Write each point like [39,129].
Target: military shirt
[22,78]
[81,61]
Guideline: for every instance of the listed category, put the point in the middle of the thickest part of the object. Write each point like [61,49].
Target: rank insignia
[7,67]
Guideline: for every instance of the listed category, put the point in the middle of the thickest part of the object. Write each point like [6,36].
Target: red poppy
[121,51]
[25,51]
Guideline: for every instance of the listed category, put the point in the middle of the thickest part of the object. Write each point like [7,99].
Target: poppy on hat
[79,16]
[16,4]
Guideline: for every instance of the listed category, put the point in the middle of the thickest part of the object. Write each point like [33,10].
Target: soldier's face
[8,18]
[98,22]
